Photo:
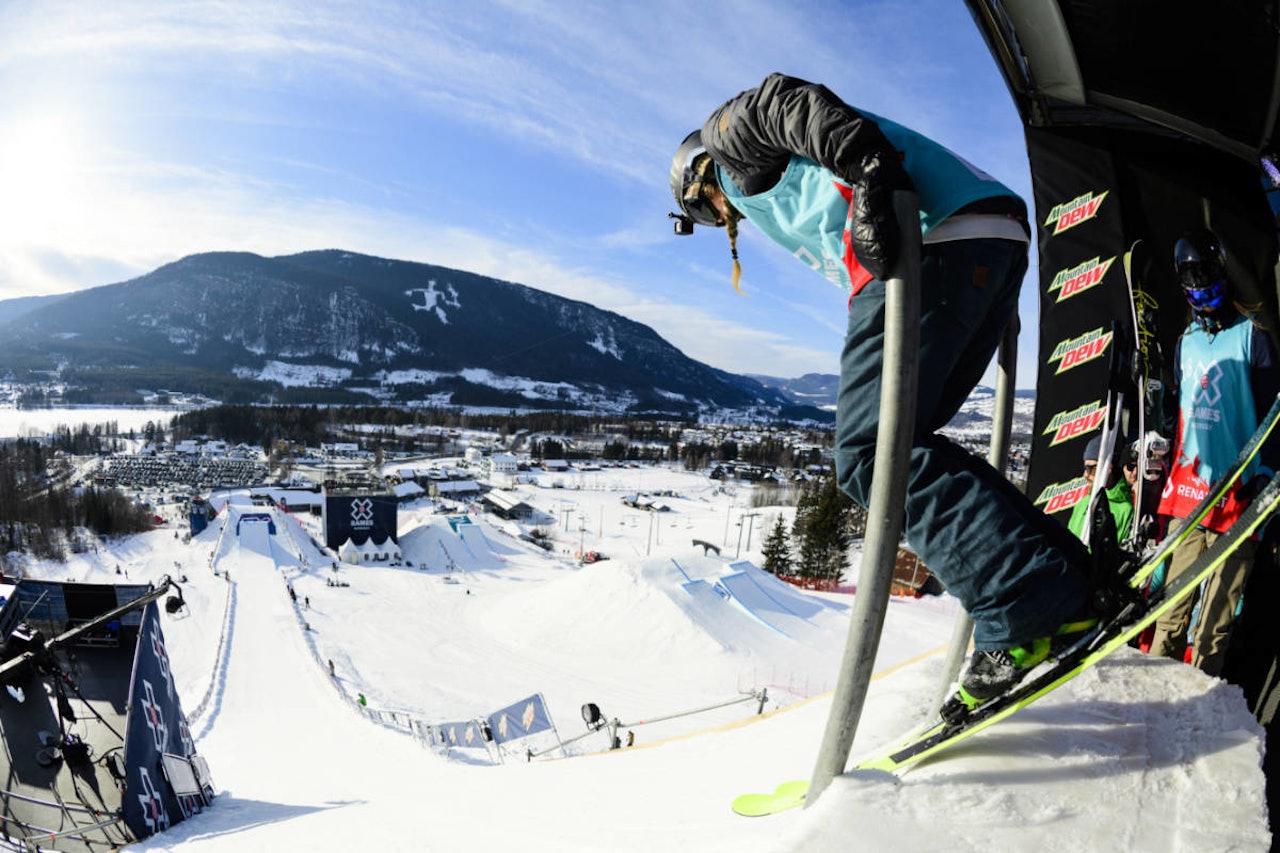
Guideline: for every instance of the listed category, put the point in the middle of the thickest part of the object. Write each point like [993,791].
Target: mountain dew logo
[1077,351]
[1059,496]
[1080,278]
[1068,425]
[1079,209]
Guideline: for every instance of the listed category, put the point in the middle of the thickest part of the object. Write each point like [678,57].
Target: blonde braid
[704,168]
[731,225]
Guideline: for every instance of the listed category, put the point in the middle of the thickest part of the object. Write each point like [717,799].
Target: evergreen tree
[857,522]
[806,503]
[822,531]
[777,550]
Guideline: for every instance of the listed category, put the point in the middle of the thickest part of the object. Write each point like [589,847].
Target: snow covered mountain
[973,419]
[814,389]
[333,326]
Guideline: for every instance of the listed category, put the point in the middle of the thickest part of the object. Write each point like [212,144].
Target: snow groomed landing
[713,591]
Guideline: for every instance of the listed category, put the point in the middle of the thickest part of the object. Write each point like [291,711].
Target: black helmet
[1201,268]
[691,171]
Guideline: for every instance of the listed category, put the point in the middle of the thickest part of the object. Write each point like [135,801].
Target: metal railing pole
[888,497]
[998,455]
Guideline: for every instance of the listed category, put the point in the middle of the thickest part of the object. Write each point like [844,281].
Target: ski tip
[797,788]
[786,796]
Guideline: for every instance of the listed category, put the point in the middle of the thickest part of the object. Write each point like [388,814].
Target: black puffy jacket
[754,134]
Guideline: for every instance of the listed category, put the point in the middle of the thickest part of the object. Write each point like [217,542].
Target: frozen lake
[25,423]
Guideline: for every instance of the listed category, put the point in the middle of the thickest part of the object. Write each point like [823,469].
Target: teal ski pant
[1016,571]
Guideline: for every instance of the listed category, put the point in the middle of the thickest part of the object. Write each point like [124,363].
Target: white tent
[349,552]
[388,550]
[370,551]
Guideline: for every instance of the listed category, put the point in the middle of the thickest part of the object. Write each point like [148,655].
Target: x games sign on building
[358,515]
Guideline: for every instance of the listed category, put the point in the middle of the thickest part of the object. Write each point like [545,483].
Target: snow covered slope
[1139,754]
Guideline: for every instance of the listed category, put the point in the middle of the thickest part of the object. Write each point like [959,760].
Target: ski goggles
[1206,298]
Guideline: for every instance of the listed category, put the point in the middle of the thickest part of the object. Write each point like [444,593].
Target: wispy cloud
[603,82]
[284,126]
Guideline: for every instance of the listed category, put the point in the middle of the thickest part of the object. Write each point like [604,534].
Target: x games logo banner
[155,727]
[358,517]
[361,513]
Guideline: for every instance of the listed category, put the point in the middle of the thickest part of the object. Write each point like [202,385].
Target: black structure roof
[1167,109]
[1207,71]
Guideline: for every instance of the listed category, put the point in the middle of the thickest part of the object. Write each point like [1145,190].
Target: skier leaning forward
[818,176]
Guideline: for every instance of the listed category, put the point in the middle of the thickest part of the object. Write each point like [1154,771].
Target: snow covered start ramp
[254,531]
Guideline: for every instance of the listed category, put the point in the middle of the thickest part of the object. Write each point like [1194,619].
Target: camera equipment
[683,224]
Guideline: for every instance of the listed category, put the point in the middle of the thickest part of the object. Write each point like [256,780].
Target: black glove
[1246,492]
[874,229]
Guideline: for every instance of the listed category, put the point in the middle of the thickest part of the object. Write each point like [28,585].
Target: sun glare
[41,174]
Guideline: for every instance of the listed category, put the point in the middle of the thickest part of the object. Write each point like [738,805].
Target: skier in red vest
[1227,375]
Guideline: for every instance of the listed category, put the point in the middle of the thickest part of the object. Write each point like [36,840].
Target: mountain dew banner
[521,719]
[1097,191]
[165,780]
[1084,310]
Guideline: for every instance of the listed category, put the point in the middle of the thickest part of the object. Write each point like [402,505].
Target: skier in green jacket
[1118,491]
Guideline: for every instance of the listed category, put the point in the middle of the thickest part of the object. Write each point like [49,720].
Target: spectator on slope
[1227,375]
[818,176]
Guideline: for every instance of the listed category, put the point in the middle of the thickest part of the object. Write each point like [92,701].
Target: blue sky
[529,141]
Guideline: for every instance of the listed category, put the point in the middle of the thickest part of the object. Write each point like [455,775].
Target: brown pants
[1220,596]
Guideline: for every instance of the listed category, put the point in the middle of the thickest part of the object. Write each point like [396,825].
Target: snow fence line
[400,721]
[217,545]
[203,705]
[288,522]
[421,730]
